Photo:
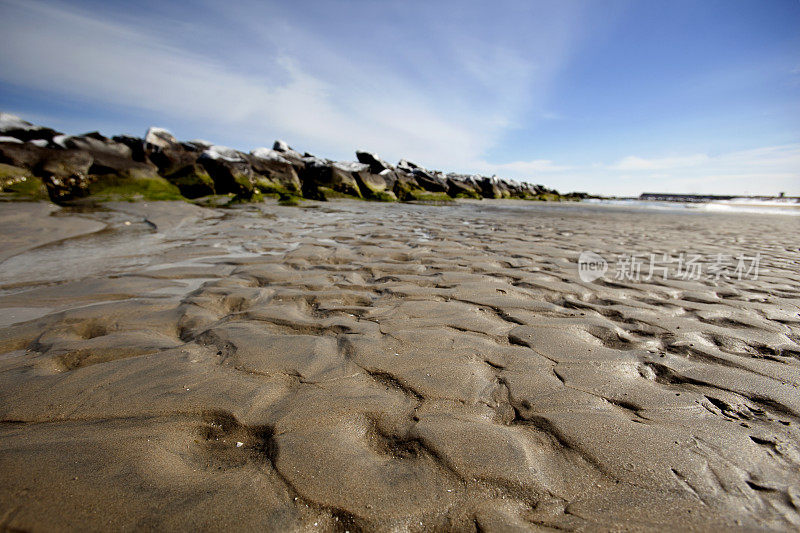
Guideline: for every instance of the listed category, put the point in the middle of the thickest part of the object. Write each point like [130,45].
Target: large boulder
[506,188]
[517,189]
[538,189]
[15,127]
[159,139]
[193,181]
[490,187]
[135,144]
[405,185]
[460,186]
[372,186]
[429,181]
[65,173]
[375,186]
[390,177]
[274,172]
[343,181]
[171,160]
[322,178]
[178,162]
[229,169]
[376,164]
[167,153]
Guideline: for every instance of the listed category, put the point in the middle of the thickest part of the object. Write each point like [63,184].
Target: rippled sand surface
[358,366]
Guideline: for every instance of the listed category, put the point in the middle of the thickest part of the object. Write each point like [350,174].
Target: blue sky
[611,96]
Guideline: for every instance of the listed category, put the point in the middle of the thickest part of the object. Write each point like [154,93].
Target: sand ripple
[403,367]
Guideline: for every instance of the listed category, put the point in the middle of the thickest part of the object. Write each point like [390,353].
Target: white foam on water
[738,205]
[761,208]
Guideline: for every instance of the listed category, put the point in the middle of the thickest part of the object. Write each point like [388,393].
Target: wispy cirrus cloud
[307,88]
[462,86]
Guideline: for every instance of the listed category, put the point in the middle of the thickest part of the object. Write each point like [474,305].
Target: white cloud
[331,107]
[765,170]
[463,94]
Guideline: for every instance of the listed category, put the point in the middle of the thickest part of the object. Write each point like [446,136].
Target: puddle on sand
[14,315]
[104,251]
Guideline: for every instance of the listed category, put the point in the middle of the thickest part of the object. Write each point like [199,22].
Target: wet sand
[353,366]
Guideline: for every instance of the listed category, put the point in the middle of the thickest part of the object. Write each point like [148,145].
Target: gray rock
[274,172]
[65,173]
[135,144]
[159,138]
[15,127]
[376,164]
[229,169]
[319,175]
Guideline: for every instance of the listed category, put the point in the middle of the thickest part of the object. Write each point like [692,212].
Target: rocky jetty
[40,162]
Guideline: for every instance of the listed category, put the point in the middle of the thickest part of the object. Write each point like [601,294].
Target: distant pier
[669,197]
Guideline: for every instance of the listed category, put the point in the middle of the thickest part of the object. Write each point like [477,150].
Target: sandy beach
[346,366]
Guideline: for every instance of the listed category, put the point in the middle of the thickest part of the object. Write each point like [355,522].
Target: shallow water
[753,207]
